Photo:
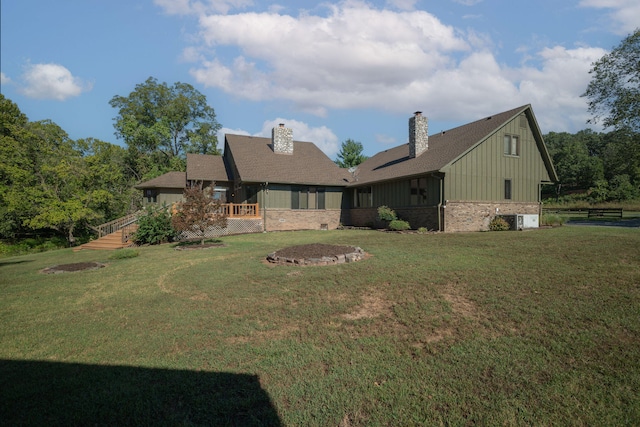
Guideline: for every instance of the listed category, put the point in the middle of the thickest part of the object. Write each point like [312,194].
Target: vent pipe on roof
[418,134]
[282,139]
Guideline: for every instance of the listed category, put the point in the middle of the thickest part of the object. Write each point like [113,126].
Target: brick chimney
[282,139]
[418,134]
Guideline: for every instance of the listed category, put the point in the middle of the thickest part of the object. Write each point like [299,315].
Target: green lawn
[502,328]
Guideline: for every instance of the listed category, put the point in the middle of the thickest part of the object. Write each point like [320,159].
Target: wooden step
[109,242]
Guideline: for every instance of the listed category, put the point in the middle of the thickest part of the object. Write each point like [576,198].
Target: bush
[154,228]
[385,213]
[124,254]
[551,220]
[499,224]
[422,230]
[399,225]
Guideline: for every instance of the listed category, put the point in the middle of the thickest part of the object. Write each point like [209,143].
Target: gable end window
[511,145]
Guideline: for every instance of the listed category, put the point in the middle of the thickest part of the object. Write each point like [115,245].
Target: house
[455,180]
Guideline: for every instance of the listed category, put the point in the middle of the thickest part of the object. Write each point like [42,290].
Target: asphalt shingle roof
[168,180]
[205,167]
[256,161]
[444,147]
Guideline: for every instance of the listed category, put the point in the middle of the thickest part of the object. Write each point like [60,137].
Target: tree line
[50,182]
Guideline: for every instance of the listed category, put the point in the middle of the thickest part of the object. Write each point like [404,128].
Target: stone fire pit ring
[319,254]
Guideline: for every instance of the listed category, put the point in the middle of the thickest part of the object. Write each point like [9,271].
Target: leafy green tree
[161,123]
[350,154]
[614,89]
[572,160]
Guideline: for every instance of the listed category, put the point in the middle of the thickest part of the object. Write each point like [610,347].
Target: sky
[330,70]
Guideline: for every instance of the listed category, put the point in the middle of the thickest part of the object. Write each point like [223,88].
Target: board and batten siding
[398,193]
[279,197]
[481,173]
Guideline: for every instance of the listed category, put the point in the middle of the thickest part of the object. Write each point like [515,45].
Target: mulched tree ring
[69,268]
[316,254]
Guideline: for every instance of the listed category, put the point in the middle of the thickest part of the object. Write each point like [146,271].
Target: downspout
[265,197]
[440,201]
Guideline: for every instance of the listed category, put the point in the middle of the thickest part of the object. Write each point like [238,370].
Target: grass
[516,328]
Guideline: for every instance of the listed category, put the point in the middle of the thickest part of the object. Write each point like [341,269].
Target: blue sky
[330,70]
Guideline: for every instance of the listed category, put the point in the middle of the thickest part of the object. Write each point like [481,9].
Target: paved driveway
[628,223]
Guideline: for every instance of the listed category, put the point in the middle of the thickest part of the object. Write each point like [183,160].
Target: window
[151,195]
[419,191]
[363,197]
[511,145]
[507,189]
[307,197]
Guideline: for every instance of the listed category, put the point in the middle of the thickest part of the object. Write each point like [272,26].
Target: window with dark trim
[307,197]
[363,197]
[511,145]
[151,195]
[418,191]
[507,189]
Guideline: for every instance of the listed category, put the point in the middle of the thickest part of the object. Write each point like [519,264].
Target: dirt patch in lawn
[69,268]
[316,254]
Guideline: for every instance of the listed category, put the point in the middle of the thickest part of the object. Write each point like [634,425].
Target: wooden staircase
[116,240]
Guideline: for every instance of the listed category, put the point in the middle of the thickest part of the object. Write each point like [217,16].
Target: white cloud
[625,14]
[402,4]
[51,81]
[4,79]
[359,57]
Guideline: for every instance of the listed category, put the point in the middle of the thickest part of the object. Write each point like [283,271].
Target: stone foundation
[475,216]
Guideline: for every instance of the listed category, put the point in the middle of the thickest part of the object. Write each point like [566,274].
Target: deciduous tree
[614,89]
[198,212]
[161,123]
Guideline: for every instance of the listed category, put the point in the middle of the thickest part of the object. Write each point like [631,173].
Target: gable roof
[255,161]
[205,167]
[167,180]
[444,148]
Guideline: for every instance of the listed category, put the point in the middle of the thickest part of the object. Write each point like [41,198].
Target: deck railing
[116,224]
[239,210]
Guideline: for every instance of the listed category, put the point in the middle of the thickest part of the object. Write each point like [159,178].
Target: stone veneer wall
[418,135]
[301,219]
[475,216]
[282,139]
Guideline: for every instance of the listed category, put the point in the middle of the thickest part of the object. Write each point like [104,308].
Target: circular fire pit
[316,254]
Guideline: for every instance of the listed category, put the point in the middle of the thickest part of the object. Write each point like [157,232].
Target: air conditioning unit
[527,221]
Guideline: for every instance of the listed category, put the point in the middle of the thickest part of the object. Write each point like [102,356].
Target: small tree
[350,154]
[198,211]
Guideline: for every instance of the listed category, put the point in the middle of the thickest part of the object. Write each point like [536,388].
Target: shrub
[124,254]
[154,228]
[399,225]
[552,220]
[499,224]
[422,230]
[385,213]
